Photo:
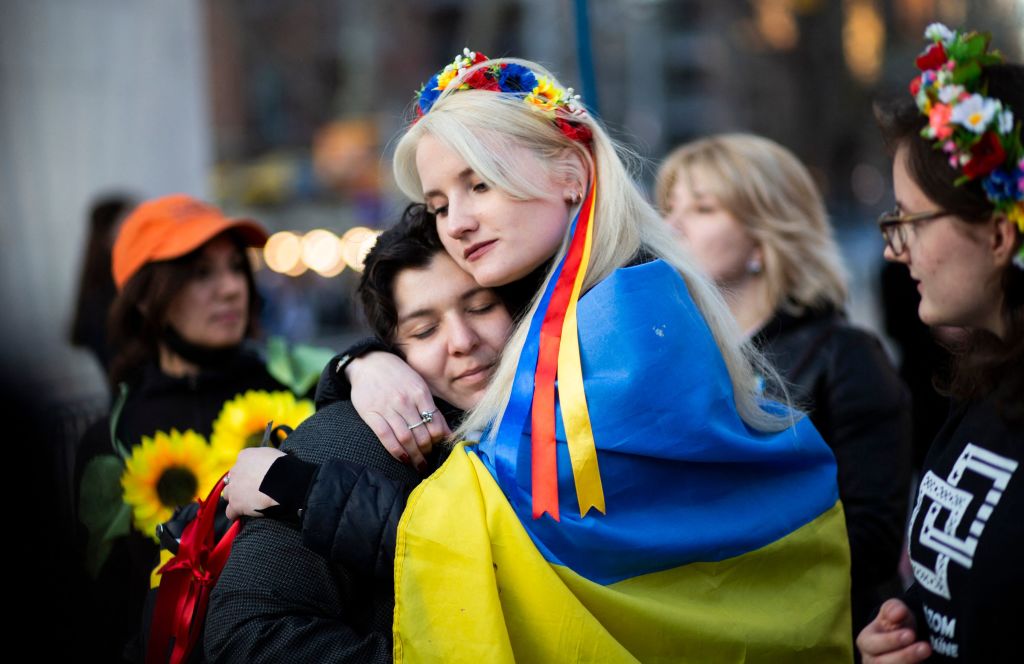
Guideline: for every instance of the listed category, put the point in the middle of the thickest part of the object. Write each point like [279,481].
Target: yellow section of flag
[470,586]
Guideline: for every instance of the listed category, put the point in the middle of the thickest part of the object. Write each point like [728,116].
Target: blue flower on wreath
[429,94]
[516,78]
[1001,185]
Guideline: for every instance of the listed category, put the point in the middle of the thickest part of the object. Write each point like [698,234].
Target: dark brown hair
[96,289]
[983,361]
[138,315]
[410,244]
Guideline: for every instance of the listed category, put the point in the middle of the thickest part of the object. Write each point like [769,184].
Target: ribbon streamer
[532,401]
[185,584]
[575,415]
[545,466]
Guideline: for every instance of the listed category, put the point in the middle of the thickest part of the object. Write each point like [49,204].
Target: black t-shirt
[967,538]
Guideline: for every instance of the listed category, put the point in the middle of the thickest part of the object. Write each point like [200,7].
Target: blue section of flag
[685,479]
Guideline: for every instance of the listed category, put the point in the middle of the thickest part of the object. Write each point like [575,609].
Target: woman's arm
[348,512]
[868,427]
[389,397]
[351,517]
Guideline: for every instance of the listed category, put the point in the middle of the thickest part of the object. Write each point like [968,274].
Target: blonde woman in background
[750,214]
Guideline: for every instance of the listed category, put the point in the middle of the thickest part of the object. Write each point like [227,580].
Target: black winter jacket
[842,378]
[112,603]
[278,600]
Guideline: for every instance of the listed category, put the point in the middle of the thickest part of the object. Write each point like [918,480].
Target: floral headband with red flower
[977,132]
[560,105]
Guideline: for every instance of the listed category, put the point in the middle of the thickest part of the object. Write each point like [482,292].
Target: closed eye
[482,309]
[424,333]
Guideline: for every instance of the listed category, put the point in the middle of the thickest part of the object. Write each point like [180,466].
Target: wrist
[352,356]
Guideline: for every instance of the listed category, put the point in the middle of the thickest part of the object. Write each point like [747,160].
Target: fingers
[887,646]
[917,652]
[418,429]
[890,637]
[437,429]
[391,433]
[895,613]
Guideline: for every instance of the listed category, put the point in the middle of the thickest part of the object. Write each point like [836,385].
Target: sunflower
[165,472]
[243,420]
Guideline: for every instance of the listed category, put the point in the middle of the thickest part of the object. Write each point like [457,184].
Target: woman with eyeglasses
[752,217]
[958,171]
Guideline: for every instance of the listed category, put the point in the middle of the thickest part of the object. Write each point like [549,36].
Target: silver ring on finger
[227,479]
[427,416]
[418,424]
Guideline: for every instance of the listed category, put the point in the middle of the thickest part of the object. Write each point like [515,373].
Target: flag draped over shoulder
[719,543]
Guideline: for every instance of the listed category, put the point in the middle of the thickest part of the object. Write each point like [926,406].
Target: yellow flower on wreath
[165,472]
[545,95]
[243,420]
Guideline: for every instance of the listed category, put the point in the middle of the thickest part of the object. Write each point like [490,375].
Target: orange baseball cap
[172,226]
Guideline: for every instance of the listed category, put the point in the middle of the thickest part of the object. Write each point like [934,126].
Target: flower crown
[977,132]
[560,105]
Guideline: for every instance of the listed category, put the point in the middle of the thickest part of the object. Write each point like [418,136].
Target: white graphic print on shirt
[951,541]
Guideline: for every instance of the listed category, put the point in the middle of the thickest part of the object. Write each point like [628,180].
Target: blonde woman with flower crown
[958,175]
[624,493]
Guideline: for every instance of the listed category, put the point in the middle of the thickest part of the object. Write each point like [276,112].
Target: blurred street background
[285,112]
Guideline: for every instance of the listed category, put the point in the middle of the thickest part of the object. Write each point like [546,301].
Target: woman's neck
[749,304]
[175,365]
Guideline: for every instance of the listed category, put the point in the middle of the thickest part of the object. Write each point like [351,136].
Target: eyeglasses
[894,226]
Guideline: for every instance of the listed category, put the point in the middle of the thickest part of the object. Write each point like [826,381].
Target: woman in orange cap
[185,306]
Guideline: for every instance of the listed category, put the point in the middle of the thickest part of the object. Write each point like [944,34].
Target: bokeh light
[283,253]
[321,252]
[355,244]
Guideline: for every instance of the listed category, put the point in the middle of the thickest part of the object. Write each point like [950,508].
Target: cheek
[427,358]
[496,330]
[451,246]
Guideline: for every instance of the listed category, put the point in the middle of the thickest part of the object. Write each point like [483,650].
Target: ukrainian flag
[719,543]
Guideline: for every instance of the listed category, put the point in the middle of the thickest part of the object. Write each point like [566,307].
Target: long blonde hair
[484,128]
[766,188]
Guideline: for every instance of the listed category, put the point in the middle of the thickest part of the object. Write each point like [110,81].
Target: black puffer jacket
[841,376]
[278,600]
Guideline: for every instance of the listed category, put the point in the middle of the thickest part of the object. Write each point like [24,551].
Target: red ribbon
[542,435]
[185,584]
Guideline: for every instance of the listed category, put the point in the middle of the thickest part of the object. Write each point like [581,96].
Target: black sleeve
[277,601]
[868,423]
[351,517]
[287,481]
[333,385]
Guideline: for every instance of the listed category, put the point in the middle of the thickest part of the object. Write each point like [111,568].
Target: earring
[574,198]
[754,265]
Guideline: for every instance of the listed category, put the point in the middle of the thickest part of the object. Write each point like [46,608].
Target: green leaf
[966,72]
[298,367]
[975,45]
[99,545]
[115,418]
[101,508]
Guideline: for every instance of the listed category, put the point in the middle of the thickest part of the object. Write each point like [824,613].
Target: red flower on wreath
[915,85]
[933,58]
[986,155]
[575,131]
[482,79]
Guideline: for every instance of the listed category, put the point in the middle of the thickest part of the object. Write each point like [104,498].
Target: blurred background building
[285,111]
